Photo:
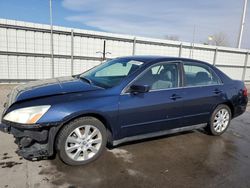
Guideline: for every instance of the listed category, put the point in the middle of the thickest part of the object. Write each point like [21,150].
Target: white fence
[25,51]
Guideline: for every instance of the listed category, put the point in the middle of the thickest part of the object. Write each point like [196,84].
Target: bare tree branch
[172,37]
[218,39]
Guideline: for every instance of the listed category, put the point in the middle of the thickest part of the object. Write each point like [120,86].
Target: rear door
[156,110]
[202,91]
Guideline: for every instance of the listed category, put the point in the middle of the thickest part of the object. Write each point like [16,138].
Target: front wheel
[81,141]
[220,120]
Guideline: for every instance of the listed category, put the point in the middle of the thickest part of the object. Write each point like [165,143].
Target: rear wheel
[81,141]
[220,120]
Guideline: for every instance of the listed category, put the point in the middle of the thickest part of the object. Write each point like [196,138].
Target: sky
[148,18]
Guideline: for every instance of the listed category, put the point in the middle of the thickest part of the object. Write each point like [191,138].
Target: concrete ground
[191,159]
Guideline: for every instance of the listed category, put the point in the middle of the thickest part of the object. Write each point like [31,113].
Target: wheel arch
[230,105]
[227,103]
[100,117]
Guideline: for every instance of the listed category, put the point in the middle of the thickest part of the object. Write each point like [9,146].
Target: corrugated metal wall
[25,51]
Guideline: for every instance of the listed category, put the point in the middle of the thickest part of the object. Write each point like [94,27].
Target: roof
[152,58]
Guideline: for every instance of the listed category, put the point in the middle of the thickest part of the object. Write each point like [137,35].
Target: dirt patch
[6,157]
[123,154]
[9,164]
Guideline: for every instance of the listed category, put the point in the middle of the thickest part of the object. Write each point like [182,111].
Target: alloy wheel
[83,143]
[221,120]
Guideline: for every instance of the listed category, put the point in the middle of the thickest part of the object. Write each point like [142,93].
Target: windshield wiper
[86,79]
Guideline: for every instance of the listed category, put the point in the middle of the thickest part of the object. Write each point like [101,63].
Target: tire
[74,143]
[219,120]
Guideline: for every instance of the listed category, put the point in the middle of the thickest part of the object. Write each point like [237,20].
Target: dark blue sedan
[125,99]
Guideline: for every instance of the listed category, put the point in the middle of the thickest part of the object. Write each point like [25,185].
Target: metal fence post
[8,61]
[72,51]
[134,46]
[51,41]
[191,52]
[104,51]
[26,58]
[17,69]
[180,50]
[245,67]
[215,56]
[52,55]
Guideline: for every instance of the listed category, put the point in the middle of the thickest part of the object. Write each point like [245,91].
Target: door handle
[217,91]
[175,97]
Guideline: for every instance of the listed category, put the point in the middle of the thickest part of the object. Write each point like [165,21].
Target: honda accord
[121,100]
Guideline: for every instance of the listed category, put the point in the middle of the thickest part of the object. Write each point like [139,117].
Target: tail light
[245,91]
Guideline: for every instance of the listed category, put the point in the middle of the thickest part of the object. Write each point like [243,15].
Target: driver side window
[160,76]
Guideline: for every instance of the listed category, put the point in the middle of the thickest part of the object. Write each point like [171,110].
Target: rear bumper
[32,143]
[240,109]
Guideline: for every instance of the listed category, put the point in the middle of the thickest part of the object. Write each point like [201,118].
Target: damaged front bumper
[33,143]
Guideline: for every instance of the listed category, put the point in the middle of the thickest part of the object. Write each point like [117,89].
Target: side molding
[160,133]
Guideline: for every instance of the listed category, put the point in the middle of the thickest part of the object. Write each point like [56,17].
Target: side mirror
[139,88]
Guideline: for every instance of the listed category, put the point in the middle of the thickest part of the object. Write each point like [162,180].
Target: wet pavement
[190,159]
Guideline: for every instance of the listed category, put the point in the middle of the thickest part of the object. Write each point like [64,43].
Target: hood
[48,87]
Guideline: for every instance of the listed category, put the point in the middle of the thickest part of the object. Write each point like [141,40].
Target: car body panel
[149,112]
[48,87]
[199,102]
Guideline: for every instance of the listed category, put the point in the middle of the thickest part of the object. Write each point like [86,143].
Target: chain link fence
[25,51]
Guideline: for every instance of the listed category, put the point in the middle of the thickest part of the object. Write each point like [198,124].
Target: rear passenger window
[196,75]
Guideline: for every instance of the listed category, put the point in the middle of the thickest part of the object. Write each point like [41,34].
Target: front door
[156,110]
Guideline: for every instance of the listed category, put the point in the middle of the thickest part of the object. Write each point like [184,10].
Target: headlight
[29,115]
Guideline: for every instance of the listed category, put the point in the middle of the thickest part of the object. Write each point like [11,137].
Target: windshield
[111,73]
